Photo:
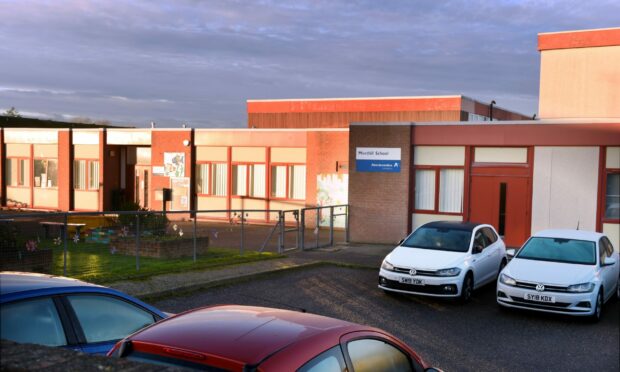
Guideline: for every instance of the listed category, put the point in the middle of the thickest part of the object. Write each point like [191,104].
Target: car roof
[569,234]
[246,334]
[454,225]
[13,282]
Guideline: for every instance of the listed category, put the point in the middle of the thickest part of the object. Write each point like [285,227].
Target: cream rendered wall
[613,233]
[18,195]
[565,187]
[439,155]
[612,157]
[249,203]
[580,82]
[86,200]
[500,155]
[419,219]
[212,203]
[288,155]
[47,198]
[208,153]
[249,154]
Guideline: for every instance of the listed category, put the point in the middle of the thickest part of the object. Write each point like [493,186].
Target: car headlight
[505,279]
[453,271]
[581,288]
[387,266]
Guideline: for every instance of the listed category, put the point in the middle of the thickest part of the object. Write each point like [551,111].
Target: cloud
[198,61]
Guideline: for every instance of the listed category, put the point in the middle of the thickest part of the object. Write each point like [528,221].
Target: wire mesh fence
[111,246]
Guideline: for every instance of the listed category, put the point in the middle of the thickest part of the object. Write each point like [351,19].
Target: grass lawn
[94,263]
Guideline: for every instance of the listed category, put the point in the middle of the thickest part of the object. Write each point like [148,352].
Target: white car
[561,271]
[444,259]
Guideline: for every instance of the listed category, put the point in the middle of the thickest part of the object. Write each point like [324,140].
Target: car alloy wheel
[467,289]
[598,309]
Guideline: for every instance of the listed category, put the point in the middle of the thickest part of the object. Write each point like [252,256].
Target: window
[607,245]
[212,179]
[375,355]
[17,172]
[104,318]
[328,361]
[86,174]
[490,235]
[32,321]
[612,196]
[446,183]
[288,181]
[248,180]
[45,173]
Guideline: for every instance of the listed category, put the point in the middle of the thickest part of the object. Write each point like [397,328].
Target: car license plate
[539,298]
[413,281]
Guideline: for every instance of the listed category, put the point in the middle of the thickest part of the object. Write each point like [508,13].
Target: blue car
[57,311]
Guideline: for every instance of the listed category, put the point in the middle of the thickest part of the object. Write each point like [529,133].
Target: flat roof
[579,39]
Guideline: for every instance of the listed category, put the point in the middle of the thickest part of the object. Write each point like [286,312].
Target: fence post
[64,237]
[281,245]
[242,234]
[302,229]
[137,242]
[318,224]
[195,218]
[296,214]
[331,226]
[346,225]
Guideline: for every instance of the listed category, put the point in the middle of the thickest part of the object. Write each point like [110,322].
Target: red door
[503,202]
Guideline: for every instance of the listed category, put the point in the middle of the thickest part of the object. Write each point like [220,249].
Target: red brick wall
[168,141]
[379,202]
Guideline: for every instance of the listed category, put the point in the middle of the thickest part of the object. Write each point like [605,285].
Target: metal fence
[110,246]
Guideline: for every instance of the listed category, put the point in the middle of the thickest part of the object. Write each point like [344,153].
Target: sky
[197,62]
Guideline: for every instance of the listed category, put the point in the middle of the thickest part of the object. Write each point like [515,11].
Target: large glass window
[32,321]
[374,355]
[105,318]
[212,179]
[45,173]
[240,180]
[444,184]
[258,178]
[288,181]
[249,180]
[16,171]
[612,196]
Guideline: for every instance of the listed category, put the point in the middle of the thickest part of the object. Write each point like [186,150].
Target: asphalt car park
[477,336]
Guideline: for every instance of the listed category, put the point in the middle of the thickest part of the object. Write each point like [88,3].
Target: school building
[397,161]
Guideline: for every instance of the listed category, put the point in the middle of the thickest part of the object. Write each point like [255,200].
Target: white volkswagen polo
[444,259]
[561,271]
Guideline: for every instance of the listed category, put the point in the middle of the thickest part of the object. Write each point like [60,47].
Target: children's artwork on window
[174,164]
[332,189]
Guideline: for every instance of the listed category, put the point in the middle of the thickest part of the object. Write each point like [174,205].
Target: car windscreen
[559,250]
[444,239]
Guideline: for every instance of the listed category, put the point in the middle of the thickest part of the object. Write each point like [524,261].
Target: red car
[244,338]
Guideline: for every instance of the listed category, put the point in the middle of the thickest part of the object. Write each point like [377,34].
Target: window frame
[19,167]
[87,177]
[288,196]
[415,365]
[247,180]
[437,169]
[606,174]
[34,186]
[210,180]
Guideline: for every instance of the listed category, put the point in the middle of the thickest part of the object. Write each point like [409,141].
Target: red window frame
[437,169]
[606,173]
[287,188]
[209,180]
[247,180]
[87,176]
[19,166]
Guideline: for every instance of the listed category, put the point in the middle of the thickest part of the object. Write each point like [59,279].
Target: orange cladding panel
[579,39]
[357,105]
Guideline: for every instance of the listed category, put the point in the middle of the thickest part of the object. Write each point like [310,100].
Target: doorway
[142,186]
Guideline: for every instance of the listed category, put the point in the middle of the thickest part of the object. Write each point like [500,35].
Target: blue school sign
[383,159]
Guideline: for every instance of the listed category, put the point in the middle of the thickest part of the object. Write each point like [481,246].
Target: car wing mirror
[511,252]
[608,261]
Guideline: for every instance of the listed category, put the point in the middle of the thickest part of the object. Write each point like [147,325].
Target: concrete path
[363,255]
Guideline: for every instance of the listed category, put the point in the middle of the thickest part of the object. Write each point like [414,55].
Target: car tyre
[467,289]
[618,290]
[598,307]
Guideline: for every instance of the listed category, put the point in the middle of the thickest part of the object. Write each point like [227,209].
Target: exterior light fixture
[186,142]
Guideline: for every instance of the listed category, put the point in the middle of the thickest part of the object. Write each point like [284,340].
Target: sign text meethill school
[382,159]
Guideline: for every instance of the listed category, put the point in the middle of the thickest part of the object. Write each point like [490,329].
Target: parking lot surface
[473,337]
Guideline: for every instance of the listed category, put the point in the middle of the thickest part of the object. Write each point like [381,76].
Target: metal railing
[73,243]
